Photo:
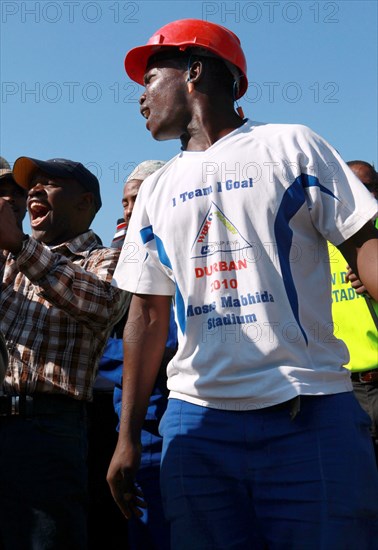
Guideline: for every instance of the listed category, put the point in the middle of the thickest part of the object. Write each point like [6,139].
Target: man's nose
[128,211]
[37,188]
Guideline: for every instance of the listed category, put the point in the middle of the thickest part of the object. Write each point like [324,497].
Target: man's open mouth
[38,213]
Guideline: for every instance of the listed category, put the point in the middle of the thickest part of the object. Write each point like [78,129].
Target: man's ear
[86,201]
[195,72]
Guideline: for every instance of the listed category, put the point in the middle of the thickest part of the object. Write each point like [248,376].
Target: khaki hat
[145,169]
[6,172]
[4,163]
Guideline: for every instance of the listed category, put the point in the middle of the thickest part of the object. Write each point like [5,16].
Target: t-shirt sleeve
[140,269]
[338,202]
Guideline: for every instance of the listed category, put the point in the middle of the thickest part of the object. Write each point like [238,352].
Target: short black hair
[372,187]
[363,162]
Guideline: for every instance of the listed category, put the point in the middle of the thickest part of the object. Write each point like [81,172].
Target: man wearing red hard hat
[185,35]
[264,443]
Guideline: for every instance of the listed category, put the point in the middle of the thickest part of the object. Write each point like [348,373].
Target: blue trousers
[259,480]
[43,482]
[367,395]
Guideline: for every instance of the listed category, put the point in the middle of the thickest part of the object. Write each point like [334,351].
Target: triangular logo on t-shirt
[217,234]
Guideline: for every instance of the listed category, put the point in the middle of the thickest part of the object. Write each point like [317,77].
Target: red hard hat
[186,33]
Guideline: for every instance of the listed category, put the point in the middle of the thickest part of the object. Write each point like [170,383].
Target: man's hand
[361,253]
[355,282]
[144,339]
[11,236]
[121,480]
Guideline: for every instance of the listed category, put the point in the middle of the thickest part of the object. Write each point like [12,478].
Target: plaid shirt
[57,310]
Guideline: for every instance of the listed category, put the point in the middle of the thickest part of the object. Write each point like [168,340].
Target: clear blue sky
[64,92]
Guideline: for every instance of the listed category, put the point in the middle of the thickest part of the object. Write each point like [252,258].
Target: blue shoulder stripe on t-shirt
[180,310]
[147,234]
[292,200]
[180,306]
[163,256]
[311,181]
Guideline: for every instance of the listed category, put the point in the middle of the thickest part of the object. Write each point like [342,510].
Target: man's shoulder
[277,130]
[288,140]
[86,242]
[88,246]
[107,252]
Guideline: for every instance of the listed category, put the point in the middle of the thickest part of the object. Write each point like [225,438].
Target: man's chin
[40,235]
[162,136]
[160,132]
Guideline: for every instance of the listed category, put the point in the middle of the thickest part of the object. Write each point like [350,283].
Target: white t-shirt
[237,233]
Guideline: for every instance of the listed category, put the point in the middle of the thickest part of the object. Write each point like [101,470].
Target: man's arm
[80,287]
[144,343]
[84,292]
[361,253]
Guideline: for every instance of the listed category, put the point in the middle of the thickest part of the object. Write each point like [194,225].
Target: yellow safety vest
[353,321]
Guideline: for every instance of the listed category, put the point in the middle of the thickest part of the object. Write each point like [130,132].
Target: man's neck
[202,134]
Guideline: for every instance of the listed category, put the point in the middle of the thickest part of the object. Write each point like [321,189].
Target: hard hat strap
[239,109]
